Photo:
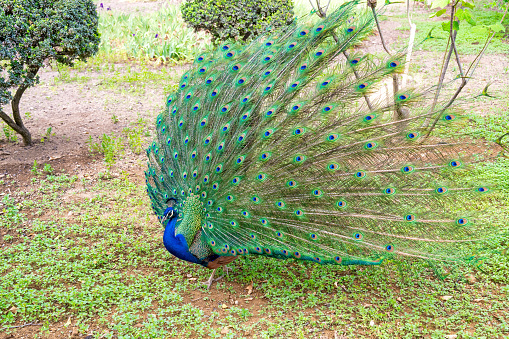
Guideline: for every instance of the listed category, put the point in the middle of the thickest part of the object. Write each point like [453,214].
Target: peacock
[287,147]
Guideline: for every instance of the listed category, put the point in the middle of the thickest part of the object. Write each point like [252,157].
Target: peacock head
[172,212]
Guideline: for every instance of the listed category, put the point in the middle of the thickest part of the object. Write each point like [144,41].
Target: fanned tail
[290,162]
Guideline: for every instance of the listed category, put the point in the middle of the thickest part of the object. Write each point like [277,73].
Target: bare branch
[20,326]
[372,4]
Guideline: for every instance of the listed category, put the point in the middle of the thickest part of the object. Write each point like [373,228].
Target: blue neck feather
[176,244]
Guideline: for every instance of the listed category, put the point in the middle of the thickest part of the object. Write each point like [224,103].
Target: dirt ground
[76,112]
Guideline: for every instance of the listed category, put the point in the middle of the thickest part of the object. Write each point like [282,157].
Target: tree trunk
[17,124]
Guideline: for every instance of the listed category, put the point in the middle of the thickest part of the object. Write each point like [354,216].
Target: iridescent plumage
[270,149]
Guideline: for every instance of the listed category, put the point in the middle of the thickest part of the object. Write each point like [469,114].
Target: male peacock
[269,149]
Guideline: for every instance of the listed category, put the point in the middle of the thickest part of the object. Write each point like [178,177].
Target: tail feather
[290,162]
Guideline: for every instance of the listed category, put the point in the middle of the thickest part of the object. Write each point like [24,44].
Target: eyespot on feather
[333,166]
[393,64]
[462,221]
[389,191]
[370,145]
[355,61]
[369,117]
[360,174]
[407,169]
[319,53]
[441,190]
[299,159]
[482,189]
[341,204]
[304,32]
[410,217]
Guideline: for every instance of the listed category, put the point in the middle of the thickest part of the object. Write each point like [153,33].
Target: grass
[158,36]
[86,253]
[90,249]
[470,39]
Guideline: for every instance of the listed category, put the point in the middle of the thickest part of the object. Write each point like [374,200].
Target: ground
[82,254]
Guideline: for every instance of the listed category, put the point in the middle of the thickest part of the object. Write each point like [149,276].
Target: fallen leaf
[193,279]
[225,330]
[470,278]
[451,336]
[372,323]
[68,322]
[399,299]
[446,297]
[248,299]
[223,306]
[13,309]
[477,300]
[189,275]
[249,288]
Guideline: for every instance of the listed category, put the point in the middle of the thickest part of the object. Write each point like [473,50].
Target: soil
[77,112]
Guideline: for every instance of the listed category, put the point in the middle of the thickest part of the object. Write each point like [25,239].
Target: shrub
[237,19]
[33,32]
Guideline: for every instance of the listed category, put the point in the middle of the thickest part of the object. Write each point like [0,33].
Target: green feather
[287,161]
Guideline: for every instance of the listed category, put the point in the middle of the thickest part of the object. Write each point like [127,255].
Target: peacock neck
[178,237]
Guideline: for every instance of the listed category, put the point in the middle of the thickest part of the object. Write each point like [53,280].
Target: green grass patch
[470,39]
[157,36]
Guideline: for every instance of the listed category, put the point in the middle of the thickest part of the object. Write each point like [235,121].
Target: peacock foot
[209,282]
[226,269]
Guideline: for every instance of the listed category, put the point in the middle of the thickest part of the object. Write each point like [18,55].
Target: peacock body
[271,149]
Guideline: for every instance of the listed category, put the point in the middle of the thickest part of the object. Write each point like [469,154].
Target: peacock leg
[225,270]
[209,282]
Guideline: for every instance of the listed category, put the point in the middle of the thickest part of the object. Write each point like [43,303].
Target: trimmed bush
[33,32]
[237,19]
